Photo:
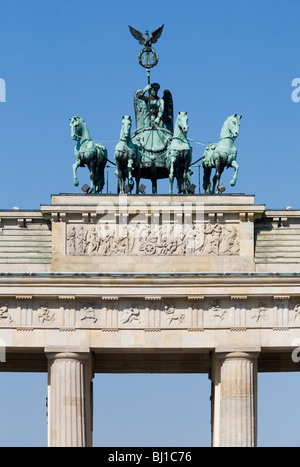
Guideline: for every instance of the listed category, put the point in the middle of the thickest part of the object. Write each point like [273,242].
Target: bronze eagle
[146,40]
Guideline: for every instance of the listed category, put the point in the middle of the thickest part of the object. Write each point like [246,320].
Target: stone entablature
[217,233]
[132,312]
[152,233]
[192,313]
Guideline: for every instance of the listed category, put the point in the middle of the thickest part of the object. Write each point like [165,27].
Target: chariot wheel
[150,249]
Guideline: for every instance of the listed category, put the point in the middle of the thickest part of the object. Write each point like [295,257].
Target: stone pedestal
[69,399]
[234,404]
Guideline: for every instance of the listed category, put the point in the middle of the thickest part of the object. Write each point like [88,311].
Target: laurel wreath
[147,52]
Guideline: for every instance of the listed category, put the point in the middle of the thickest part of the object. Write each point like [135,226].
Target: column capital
[67,352]
[223,353]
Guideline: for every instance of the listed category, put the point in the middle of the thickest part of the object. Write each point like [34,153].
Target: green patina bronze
[164,150]
[148,57]
[158,148]
[89,154]
[179,155]
[221,155]
[154,131]
[127,157]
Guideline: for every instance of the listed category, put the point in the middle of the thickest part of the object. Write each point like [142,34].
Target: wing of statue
[140,109]
[168,115]
[156,34]
[137,35]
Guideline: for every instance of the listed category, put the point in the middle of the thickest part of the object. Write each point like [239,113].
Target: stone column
[234,403]
[69,399]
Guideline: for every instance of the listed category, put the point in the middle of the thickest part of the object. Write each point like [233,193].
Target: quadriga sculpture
[179,154]
[222,154]
[89,154]
[127,158]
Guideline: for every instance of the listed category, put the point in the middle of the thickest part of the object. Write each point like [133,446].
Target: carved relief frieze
[150,240]
[87,314]
[45,315]
[260,314]
[131,316]
[217,313]
[297,312]
[173,316]
[5,315]
[157,313]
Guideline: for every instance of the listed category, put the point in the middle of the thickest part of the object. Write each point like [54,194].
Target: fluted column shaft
[234,399]
[69,399]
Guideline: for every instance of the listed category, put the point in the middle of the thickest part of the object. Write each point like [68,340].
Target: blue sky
[65,58]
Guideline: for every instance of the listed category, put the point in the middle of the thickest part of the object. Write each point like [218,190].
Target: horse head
[231,126]
[126,128]
[78,126]
[182,122]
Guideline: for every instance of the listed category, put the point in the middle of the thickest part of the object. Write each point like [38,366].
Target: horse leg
[185,175]
[118,182]
[236,169]
[121,183]
[153,178]
[100,168]
[179,178]
[154,186]
[97,180]
[75,167]
[100,180]
[129,169]
[102,177]
[172,159]
[171,178]
[91,166]
[137,172]
[217,177]
[216,180]
[206,178]
[120,178]
[185,185]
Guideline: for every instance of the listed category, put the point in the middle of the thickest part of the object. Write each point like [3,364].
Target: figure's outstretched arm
[142,93]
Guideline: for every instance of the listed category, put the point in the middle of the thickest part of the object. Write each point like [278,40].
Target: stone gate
[162,284]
